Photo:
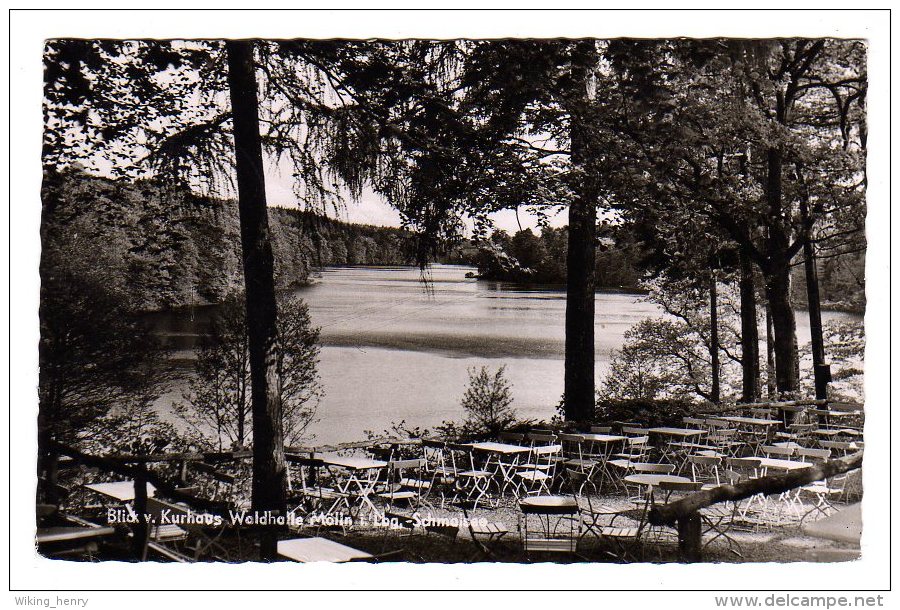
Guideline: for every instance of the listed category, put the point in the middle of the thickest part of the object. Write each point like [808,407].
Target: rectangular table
[47,535]
[307,550]
[122,491]
[503,470]
[778,464]
[602,438]
[602,457]
[674,452]
[750,421]
[501,448]
[360,482]
[679,432]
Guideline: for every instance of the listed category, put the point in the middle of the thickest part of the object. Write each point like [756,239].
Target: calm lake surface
[397,348]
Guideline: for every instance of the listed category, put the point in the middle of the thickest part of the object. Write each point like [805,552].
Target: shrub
[488,402]
[646,412]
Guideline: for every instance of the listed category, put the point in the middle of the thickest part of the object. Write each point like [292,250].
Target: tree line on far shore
[526,257]
[163,247]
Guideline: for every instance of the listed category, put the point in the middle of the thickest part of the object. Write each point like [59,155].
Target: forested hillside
[161,247]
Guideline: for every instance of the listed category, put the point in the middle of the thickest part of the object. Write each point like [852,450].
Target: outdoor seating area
[522,496]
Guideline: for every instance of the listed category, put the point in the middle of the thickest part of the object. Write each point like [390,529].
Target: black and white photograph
[560,299]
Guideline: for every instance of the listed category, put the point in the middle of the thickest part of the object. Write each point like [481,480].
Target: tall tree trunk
[269,475]
[579,396]
[749,332]
[778,276]
[771,389]
[821,372]
[714,339]
[784,328]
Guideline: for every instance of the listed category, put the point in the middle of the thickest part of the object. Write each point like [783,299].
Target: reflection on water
[397,348]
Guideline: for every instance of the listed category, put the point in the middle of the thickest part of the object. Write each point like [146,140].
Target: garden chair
[314,495]
[725,441]
[405,482]
[486,536]
[513,438]
[540,437]
[705,470]
[742,469]
[623,540]
[160,533]
[781,453]
[571,445]
[822,417]
[717,519]
[788,499]
[601,429]
[558,521]
[713,425]
[799,433]
[636,449]
[823,493]
[472,483]
[536,476]
[440,468]
[223,483]
[670,491]
[594,515]
[203,533]
[576,458]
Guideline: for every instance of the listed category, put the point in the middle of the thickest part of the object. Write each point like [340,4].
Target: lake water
[397,348]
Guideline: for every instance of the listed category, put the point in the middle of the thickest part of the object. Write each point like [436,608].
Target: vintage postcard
[586,300]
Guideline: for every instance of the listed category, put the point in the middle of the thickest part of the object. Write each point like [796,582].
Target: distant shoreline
[315,277]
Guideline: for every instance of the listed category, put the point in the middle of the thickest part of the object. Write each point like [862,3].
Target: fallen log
[668,514]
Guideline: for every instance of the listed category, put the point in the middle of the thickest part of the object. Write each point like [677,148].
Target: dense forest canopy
[167,247]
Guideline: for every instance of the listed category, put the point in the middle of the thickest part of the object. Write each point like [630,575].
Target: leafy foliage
[526,257]
[96,356]
[669,357]
[218,403]
[644,411]
[488,402]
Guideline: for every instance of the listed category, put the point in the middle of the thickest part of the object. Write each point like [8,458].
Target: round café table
[653,480]
[553,514]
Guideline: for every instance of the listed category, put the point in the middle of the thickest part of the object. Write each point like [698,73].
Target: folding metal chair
[405,482]
[440,468]
[472,483]
[536,476]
